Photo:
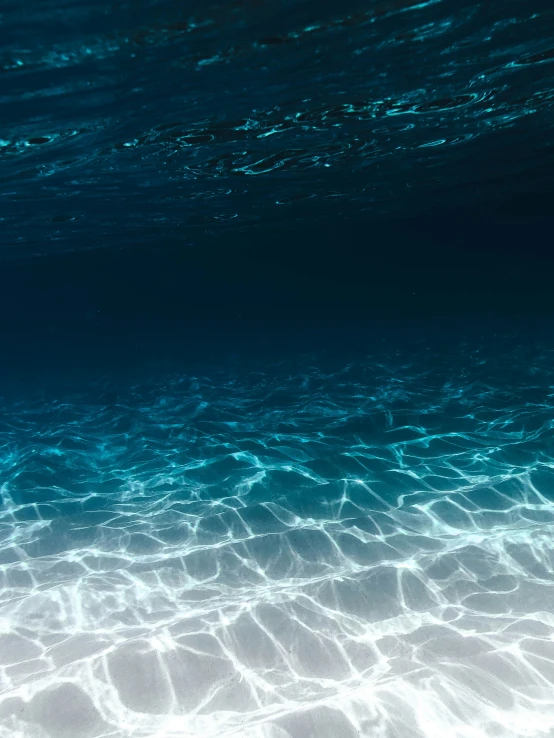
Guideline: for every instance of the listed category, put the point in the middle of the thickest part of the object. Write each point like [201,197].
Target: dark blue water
[153,121]
[276,369]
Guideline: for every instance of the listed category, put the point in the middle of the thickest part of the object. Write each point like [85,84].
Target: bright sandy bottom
[294,552]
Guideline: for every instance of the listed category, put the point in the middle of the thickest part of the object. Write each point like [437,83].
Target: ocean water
[276,369]
[149,121]
[310,546]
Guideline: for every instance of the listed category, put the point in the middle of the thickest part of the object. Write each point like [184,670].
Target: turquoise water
[295,548]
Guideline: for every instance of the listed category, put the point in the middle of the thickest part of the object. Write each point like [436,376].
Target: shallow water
[285,549]
[276,388]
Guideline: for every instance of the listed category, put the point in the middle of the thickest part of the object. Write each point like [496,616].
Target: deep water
[276,369]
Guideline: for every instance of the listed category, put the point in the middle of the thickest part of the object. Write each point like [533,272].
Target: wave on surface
[125,124]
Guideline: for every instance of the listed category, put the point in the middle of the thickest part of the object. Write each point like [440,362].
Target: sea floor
[303,548]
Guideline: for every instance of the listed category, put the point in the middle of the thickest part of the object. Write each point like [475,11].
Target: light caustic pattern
[287,553]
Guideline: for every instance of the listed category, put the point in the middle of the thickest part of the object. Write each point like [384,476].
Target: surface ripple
[238,114]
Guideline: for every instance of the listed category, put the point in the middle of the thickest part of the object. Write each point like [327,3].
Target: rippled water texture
[291,552]
[134,122]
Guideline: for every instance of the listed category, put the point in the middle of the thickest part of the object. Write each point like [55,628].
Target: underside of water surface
[155,121]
